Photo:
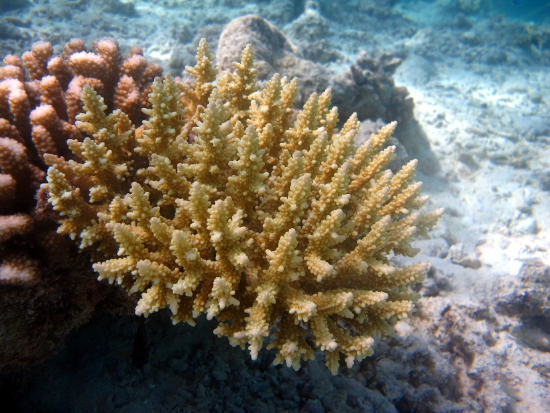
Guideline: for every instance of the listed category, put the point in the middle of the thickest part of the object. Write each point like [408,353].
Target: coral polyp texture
[225,202]
[39,100]
[45,290]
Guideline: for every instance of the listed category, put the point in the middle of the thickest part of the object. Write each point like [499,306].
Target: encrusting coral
[225,203]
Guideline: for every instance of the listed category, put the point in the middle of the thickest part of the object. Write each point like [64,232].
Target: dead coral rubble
[270,224]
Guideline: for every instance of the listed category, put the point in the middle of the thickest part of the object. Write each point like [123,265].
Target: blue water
[536,11]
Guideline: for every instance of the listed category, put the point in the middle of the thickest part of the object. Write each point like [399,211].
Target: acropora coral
[225,202]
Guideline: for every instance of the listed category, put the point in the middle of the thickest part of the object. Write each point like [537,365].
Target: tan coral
[196,94]
[274,228]
[237,88]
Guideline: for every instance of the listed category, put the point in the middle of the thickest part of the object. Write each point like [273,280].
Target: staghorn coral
[367,88]
[275,226]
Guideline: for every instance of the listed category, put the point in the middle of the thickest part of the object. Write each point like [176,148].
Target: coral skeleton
[225,203]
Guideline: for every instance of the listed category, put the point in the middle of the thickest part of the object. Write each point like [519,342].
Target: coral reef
[225,203]
[461,352]
[479,337]
[39,99]
[366,88]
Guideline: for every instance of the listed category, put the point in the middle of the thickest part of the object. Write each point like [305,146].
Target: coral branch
[263,223]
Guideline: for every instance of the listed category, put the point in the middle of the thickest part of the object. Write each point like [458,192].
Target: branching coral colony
[224,203]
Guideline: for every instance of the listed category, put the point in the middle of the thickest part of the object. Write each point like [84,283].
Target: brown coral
[277,228]
[39,99]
